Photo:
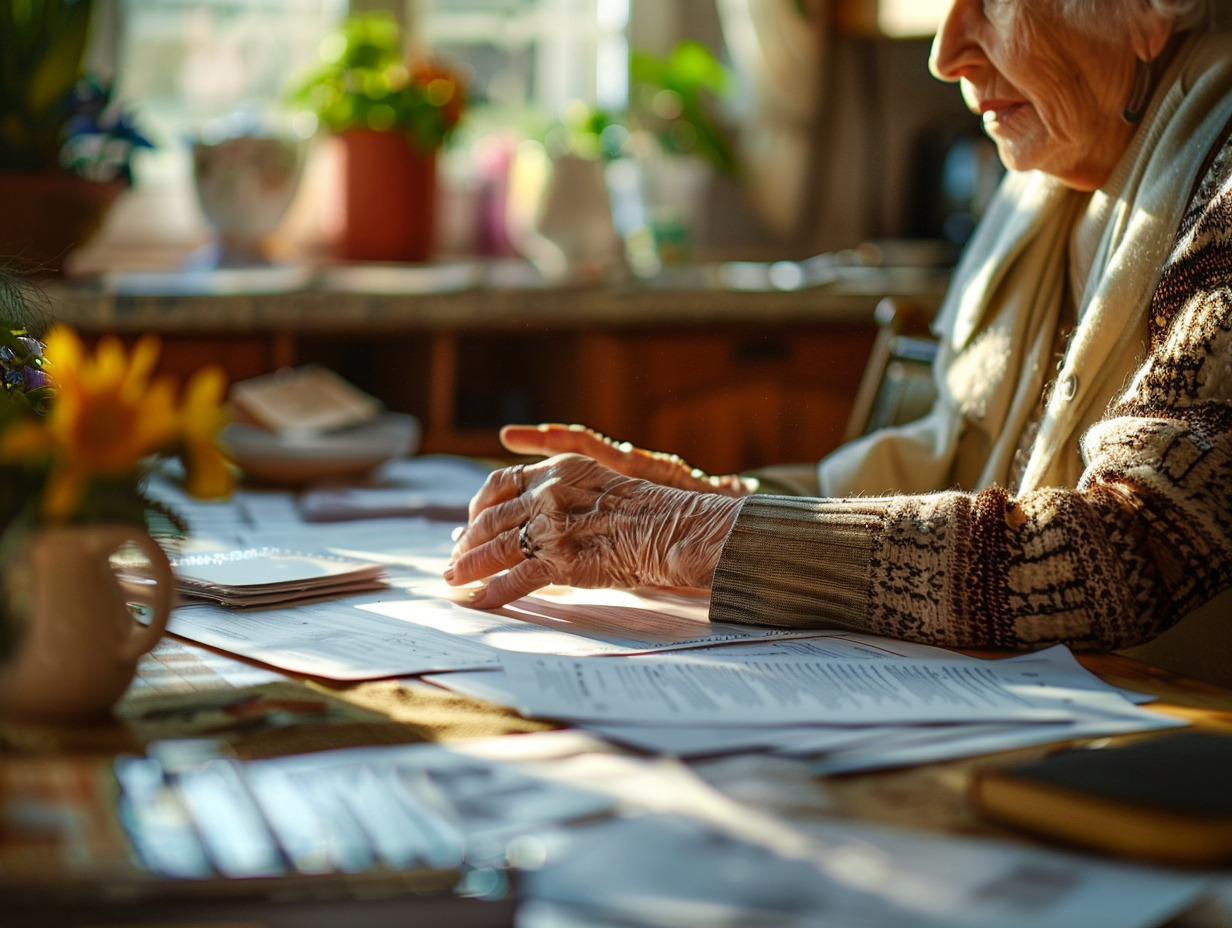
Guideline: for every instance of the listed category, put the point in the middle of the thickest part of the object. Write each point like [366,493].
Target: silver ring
[525,545]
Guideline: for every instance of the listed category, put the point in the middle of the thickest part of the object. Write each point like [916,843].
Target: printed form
[742,690]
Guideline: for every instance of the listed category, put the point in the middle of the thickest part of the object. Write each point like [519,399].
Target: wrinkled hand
[572,521]
[656,466]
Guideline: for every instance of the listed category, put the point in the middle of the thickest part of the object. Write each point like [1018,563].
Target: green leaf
[693,66]
[42,43]
[54,74]
[693,76]
[363,82]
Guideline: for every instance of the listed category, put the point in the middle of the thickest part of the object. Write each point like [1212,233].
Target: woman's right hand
[659,467]
[570,520]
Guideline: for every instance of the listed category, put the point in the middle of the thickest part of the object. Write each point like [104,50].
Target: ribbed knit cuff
[798,562]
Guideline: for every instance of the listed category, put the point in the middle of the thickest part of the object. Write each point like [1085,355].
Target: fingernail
[475,597]
[449,574]
[457,533]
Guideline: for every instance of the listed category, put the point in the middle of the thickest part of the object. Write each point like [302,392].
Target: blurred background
[669,219]
[824,128]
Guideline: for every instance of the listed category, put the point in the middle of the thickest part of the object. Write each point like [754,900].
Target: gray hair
[1187,14]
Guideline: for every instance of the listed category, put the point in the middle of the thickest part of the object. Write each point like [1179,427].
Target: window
[538,53]
[187,62]
[181,66]
[193,65]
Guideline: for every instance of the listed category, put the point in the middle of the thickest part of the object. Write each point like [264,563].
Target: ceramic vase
[80,639]
[560,217]
[244,186]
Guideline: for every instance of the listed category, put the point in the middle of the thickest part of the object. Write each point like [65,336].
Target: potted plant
[392,115]
[678,139]
[563,218]
[80,433]
[673,97]
[65,148]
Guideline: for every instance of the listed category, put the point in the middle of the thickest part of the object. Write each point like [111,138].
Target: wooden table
[935,795]
[181,686]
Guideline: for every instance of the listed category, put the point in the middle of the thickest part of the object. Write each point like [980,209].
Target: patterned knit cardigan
[1144,538]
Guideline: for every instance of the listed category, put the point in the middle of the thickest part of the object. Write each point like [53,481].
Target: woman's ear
[1149,33]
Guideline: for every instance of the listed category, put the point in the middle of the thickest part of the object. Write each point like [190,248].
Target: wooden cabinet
[240,355]
[729,380]
[726,399]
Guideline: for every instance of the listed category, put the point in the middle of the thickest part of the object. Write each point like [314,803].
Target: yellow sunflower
[107,415]
[201,418]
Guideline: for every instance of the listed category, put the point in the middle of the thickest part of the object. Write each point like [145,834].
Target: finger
[530,575]
[551,438]
[621,456]
[674,471]
[498,553]
[501,485]
[633,461]
[669,469]
[492,522]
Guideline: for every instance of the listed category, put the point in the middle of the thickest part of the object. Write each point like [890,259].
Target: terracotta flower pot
[389,198]
[79,647]
[48,214]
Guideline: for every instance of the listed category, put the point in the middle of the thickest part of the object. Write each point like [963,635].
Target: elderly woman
[1073,482]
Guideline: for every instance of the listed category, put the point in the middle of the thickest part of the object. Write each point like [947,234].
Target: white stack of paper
[846,703]
[273,576]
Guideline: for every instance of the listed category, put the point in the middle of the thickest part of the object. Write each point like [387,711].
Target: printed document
[416,629]
[722,687]
[334,639]
[1100,710]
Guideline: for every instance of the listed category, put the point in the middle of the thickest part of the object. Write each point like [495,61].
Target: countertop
[488,295]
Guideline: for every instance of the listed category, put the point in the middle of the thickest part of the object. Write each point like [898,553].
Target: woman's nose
[955,47]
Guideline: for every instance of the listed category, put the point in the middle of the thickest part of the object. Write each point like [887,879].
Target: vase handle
[158,596]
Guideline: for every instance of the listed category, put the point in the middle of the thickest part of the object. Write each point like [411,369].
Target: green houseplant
[680,145]
[41,47]
[640,176]
[673,96]
[65,150]
[392,115]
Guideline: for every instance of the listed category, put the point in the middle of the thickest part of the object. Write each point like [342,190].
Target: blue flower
[98,139]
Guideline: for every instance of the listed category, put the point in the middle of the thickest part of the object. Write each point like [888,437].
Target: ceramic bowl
[294,459]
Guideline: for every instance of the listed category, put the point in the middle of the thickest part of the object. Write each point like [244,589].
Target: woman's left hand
[570,520]
[671,470]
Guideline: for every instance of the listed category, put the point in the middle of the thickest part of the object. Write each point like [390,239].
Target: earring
[1139,94]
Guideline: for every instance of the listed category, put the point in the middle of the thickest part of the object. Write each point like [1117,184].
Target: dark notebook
[1166,799]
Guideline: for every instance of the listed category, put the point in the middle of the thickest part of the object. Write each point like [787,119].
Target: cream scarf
[1000,317]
